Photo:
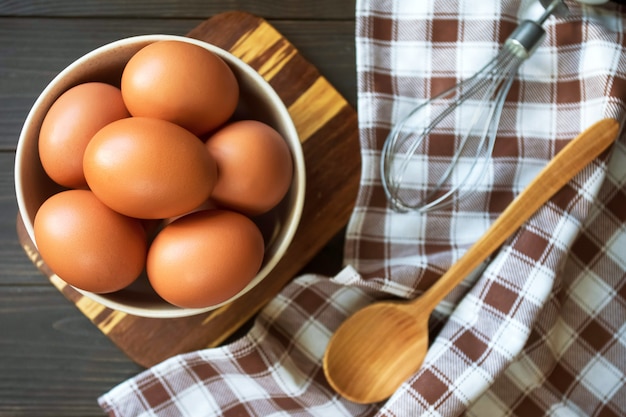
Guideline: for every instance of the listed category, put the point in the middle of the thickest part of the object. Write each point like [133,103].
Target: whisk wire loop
[481,97]
[482,88]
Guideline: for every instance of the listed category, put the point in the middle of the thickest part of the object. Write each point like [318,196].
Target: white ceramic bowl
[106,64]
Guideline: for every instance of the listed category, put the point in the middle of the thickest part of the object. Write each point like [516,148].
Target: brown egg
[205,258]
[70,124]
[87,244]
[182,83]
[149,168]
[254,166]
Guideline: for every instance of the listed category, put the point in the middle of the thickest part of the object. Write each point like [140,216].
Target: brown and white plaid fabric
[540,329]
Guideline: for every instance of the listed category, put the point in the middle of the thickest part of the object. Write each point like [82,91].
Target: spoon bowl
[379,347]
[391,364]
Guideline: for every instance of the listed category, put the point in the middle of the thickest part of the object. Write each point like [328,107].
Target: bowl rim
[291,137]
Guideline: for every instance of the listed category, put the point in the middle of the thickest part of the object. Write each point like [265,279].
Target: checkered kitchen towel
[540,329]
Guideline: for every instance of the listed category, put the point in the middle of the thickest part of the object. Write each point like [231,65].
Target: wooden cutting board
[327,126]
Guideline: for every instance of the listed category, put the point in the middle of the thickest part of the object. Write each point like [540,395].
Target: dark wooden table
[53,360]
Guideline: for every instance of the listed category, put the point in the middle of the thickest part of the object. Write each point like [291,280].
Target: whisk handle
[525,38]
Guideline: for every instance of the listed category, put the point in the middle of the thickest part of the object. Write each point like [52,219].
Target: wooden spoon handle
[568,162]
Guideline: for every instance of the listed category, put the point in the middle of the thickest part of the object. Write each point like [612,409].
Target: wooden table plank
[16,268]
[53,361]
[278,9]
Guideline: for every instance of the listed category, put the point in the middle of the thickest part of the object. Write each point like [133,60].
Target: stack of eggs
[159,177]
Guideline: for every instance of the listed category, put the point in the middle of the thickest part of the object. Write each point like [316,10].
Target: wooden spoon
[381,346]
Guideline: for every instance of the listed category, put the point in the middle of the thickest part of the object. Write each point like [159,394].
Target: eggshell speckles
[254,165]
[182,83]
[70,124]
[87,244]
[149,168]
[205,258]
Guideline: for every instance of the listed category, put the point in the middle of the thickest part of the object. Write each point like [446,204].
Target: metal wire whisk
[476,105]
